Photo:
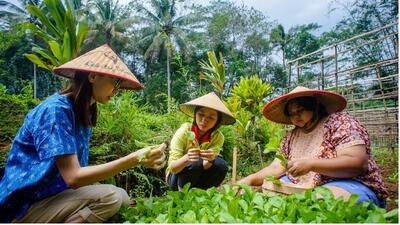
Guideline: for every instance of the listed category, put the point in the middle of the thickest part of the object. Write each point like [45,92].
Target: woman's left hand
[208,155]
[299,167]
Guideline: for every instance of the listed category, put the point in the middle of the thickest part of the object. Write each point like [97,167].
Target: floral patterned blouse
[337,131]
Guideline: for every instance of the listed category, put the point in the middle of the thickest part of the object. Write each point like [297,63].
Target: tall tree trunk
[169,81]
[283,58]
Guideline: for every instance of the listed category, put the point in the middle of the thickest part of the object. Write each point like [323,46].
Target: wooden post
[298,73]
[289,77]
[352,93]
[234,165]
[322,76]
[336,69]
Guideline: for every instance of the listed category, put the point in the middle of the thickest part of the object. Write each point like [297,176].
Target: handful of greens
[192,139]
[146,150]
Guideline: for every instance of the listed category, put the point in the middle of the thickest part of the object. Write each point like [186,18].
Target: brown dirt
[387,170]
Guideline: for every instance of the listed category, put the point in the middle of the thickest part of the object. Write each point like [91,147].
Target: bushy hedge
[13,107]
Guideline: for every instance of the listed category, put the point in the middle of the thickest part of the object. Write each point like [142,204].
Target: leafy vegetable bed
[213,206]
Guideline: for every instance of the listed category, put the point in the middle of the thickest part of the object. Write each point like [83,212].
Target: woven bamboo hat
[102,60]
[211,101]
[274,109]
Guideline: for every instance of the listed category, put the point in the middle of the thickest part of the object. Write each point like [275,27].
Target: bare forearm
[275,169]
[178,165]
[340,167]
[88,175]
[101,172]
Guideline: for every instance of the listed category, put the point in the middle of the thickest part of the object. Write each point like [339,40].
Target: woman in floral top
[326,148]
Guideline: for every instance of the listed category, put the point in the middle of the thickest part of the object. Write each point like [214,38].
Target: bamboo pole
[234,165]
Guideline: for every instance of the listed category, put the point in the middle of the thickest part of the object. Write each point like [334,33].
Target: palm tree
[166,31]
[279,39]
[108,20]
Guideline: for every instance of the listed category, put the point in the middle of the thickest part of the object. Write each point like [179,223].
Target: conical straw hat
[212,101]
[102,60]
[274,109]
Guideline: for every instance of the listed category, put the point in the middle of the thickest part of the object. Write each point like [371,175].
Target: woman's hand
[155,158]
[208,155]
[299,167]
[193,154]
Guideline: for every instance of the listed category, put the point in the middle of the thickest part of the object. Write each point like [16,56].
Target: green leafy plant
[246,103]
[61,30]
[226,206]
[214,71]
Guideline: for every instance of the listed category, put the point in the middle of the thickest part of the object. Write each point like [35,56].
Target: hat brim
[188,109]
[274,110]
[128,84]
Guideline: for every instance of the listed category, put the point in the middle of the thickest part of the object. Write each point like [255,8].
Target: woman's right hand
[193,154]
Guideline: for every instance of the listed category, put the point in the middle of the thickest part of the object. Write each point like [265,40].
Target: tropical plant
[164,31]
[245,103]
[214,71]
[61,31]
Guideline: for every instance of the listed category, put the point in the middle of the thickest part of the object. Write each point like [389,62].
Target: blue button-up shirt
[31,174]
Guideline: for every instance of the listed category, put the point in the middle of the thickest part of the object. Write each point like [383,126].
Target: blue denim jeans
[198,177]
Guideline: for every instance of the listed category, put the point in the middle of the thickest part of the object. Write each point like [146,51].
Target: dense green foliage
[225,206]
[11,118]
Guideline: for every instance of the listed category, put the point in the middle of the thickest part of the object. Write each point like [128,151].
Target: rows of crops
[226,206]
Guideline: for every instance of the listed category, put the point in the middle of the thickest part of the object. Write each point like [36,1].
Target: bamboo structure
[364,69]
[234,165]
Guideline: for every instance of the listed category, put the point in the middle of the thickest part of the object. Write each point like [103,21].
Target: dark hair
[216,126]
[80,92]
[308,103]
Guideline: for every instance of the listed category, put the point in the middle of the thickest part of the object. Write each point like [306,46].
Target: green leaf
[375,217]
[393,213]
[40,33]
[82,31]
[189,217]
[226,217]
[36,60]
[57,10]
[56,50]
[67,48]
[35,11]
[47,55]
[282,159]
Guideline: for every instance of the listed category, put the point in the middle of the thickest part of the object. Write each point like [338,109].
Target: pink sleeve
[345,131]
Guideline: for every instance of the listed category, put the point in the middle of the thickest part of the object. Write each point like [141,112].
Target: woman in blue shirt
[47,177]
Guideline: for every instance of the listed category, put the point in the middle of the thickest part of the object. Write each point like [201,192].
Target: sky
[290,12]
[296,12]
